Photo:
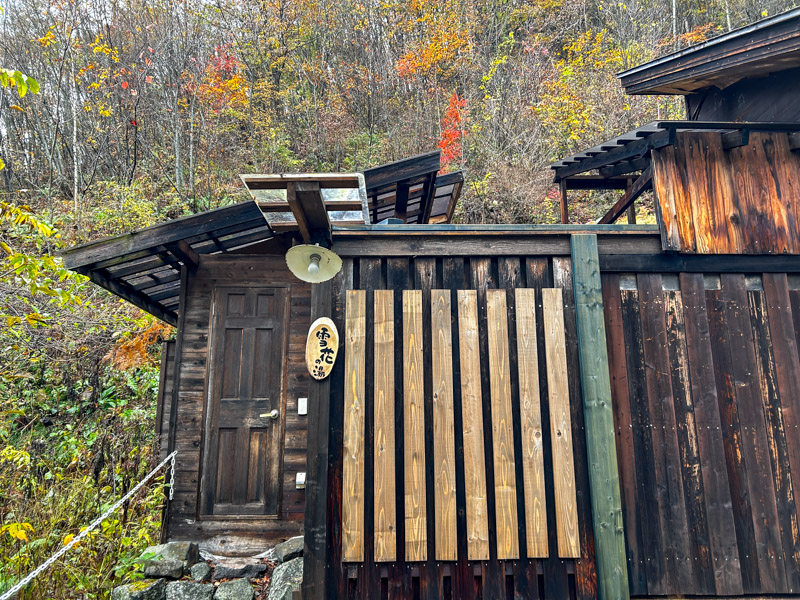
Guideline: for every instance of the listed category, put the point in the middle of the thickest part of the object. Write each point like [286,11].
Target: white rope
[66,548]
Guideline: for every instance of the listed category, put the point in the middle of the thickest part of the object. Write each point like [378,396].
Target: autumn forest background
[117,114]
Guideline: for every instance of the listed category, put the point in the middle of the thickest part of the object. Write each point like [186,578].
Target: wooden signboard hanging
[322,346]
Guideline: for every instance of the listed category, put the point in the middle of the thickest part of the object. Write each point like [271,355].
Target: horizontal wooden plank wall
[457,406]
[219,534]
[706,385]
[745,200]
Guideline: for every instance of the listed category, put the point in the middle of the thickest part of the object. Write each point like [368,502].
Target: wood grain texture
[560,425]
[755,447]
[702,572]
[353,456]
[716,201]
[666,453]
[632,510]
[472,419]
[716,497]
[443,435]
[782,325]
[612,574]
[383,439]
[531,417]
[505,485]
[776,436]
[414,428]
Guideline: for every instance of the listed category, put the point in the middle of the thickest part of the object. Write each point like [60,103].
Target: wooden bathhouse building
[564,412]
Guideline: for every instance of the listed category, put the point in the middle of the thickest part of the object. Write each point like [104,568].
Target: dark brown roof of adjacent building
[767,46]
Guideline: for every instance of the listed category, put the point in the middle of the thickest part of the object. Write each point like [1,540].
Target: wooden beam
[279,182]
[309,195]
[634,149]
[624,167]
[596,182]
[401,202]
[316,526]
[297,211]
[562,188]
[794,141]
[642,184]
[426,203]
[184,253]
[330,205]
[136,298]
[612,572]
[699,263]
[735,139]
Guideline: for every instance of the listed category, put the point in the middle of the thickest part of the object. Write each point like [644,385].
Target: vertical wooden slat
[703,580]
[510,277]
[425,280]
[586,566]
[531,416]
[612,573]
[505,485]
[717,497]
[414,420]
[776,436]
[483,277]
[787,364]
[353,458]
[443,440]
[649,516]
[472,417]
[633,511]
[670,496]
[560,425]
[398,279]
[732,444]
[743,379]
[383,406]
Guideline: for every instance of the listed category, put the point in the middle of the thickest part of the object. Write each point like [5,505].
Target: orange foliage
[452,130]
[442,49]
[133,352]
[223,86]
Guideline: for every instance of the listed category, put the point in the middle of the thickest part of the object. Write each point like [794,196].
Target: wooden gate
[458,469]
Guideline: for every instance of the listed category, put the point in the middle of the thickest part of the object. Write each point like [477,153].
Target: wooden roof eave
[760,48]
[144,266]
[630,152]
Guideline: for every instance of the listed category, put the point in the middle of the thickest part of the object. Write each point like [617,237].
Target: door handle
[273,414]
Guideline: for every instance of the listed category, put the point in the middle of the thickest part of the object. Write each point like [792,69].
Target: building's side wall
[740,200]
[771,98]
[236,535]
[165,395]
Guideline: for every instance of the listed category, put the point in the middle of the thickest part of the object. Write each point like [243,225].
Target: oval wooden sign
[322,346]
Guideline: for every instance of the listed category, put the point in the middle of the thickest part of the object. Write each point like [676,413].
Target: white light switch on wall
[302,406]
[300,481]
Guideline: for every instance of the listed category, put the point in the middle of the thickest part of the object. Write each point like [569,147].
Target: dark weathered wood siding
[743,200]
[705,379]
[166,382]
[774,97]
[220,533]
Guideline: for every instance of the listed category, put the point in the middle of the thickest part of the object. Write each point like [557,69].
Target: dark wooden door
[244,429]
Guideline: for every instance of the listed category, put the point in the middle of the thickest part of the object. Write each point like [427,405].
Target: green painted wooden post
[612,571]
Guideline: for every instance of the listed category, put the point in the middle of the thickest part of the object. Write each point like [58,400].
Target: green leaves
[15,79]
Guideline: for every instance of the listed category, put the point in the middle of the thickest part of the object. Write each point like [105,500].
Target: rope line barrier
[74,541]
